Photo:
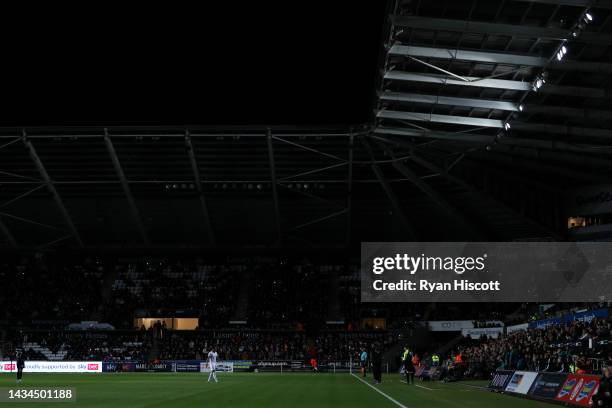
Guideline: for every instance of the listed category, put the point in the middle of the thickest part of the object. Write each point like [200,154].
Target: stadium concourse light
[561,52]
[588,17]
[521,107]
[539,82]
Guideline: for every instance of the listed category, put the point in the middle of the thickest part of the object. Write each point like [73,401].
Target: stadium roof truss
[201,179]
[520,87]
[517,68]
[484,114]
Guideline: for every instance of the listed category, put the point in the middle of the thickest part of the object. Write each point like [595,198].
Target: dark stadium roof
[471,66]
[433,161]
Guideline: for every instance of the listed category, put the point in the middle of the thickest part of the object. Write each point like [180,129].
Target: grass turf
[254,390]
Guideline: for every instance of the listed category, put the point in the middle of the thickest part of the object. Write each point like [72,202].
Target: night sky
[298,63]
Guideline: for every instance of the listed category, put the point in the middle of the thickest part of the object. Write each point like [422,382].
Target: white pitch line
[478,387]
[420,386]
[387,396]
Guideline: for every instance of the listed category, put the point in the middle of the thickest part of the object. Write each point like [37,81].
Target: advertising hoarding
[521,382]
[53,367]
[500,380]
[578,389]
[547,385]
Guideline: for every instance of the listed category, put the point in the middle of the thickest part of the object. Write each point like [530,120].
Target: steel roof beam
[445,80]
[555,170]
[535,153]
[198,183]
[437,198]
[486,139]
[465,55]
[395,204]
[469,187]
[497,84]
[581,66]
[439,135]
[331,182]
[433,118]
[576,113]
[10,239]
[320,219]
[126,188]
[273,181]
[511,30]
[349,189]
[562,130]
[447,100]
[51,187]
[602,4]
[498,58]
[578,91]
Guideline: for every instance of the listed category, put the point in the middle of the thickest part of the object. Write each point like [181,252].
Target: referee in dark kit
[376,362]
[20,366]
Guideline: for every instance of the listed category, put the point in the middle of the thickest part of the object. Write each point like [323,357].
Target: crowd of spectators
[109,348]
[82,346]
[294,299]
[142,285]
[288,294]
[575,346]
[37,288]
[190,345]
[332,346]
[272,293]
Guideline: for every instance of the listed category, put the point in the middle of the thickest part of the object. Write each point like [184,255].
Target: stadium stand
[73,295]
[556,348]
[290,322]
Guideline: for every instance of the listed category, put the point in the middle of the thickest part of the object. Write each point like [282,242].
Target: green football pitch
[254,390]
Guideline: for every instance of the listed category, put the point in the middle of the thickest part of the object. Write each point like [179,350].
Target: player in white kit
[212,363]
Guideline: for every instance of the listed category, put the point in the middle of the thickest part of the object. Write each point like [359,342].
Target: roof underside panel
[493,67]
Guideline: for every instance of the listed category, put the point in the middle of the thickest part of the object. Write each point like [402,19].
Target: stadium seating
[289,322]
[578,345]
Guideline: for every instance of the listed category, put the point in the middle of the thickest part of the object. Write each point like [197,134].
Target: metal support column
[349,187]
[47,181]
[198,183]
[126,187]
[273,180]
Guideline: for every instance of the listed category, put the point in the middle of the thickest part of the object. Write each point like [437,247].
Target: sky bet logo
[413,264]
[586,390]
[567,388]
[92,367]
